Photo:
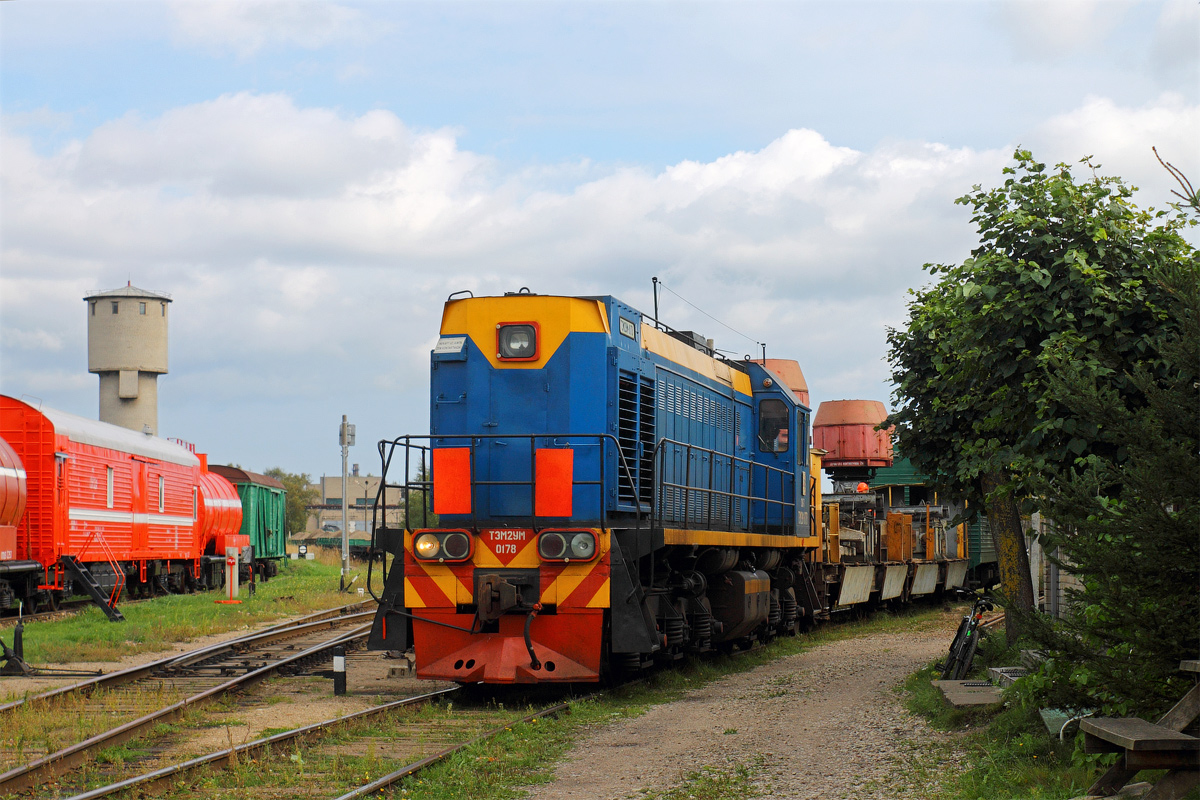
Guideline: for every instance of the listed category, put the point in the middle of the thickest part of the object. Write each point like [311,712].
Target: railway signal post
[346,439]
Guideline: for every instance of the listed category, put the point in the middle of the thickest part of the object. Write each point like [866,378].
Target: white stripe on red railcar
[96,515]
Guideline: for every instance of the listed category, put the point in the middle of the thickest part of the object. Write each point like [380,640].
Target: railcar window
[772,426]
[110,487]
[162,493]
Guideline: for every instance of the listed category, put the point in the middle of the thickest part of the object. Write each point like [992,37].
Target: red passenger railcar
[133,509]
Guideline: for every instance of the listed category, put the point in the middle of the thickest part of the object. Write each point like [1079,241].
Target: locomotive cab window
[517,341]
[772,426]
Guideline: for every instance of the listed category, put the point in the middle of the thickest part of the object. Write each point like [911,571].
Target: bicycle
[966,640]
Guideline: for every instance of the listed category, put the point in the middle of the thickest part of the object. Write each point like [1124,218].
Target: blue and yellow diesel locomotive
[598,492]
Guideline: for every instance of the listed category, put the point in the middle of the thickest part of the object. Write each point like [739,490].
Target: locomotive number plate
[506,542]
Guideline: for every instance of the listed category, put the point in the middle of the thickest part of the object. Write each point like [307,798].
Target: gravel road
[826,723]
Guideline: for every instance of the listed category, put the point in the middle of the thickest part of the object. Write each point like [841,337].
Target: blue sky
[310,180]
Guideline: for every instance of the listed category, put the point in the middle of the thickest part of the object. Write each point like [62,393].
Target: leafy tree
[300,495]
[1128,523]
[1061,275]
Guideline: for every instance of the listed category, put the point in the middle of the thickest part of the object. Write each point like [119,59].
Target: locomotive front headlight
[583,545]
[517,341]
[456,545]
[552,546]
[427,546]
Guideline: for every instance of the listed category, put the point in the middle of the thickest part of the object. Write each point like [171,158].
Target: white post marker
[339,670]
[231,576]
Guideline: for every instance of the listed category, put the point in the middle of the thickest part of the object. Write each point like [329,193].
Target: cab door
[774,473]
[140,542]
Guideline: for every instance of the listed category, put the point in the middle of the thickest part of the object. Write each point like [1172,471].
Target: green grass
[1003,751]
[120,754]
[301,587]
[730,781]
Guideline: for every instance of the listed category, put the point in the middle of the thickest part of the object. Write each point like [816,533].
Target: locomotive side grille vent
[739,519]
[646,440]
[627,419]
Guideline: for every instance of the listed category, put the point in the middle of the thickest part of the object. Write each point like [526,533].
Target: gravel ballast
[826,723]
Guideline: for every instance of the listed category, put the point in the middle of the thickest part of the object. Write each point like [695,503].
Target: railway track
[75,722]
[410,735]
[127,676]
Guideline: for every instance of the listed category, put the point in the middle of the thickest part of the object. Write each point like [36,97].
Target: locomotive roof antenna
[654,283]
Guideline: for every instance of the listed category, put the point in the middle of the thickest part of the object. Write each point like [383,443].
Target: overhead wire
[710,316]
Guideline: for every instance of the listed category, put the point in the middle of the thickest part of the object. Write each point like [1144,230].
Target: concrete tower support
[127,348]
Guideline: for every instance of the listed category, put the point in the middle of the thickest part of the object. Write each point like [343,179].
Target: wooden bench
[1147,745]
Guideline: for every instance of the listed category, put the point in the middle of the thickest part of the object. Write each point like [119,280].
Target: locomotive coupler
[495,596]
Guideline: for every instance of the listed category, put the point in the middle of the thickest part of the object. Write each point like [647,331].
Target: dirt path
[822,724]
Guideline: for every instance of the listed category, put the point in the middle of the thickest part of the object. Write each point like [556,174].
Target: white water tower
[127,348]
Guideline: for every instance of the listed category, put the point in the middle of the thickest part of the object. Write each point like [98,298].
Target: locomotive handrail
[387,451]
[708,492]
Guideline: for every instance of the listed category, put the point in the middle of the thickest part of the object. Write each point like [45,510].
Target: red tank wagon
[12,500]
[110,504]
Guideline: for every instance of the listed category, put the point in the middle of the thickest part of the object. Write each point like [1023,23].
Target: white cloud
[1047,31]
[36,339]
[309,250]
[243,144]
[1175,38]
[1121,140]
[246,27]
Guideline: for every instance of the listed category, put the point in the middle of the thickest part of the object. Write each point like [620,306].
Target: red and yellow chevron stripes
[580,584]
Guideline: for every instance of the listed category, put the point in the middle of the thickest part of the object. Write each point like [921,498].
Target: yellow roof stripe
[675,351]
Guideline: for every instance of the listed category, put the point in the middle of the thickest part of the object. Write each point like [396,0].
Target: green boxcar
[264,515]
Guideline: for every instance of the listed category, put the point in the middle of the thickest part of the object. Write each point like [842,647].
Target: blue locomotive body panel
[655,423]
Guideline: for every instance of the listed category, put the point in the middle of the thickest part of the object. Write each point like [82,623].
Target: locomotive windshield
[772,426]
